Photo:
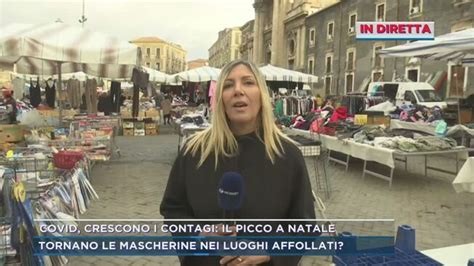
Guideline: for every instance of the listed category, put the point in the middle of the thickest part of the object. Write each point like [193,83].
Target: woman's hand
[244,260]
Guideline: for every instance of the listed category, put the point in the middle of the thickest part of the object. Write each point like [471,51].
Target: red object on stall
[67,159]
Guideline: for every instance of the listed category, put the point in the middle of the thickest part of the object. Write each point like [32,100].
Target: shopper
[10,103]
[243,138]
[166,107]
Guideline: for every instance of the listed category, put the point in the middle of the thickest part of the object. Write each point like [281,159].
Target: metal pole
[60,88]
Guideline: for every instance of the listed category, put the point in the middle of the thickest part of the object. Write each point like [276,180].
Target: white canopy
[274,73]
[158,76]
[200,74]
[455,46]
[42,49]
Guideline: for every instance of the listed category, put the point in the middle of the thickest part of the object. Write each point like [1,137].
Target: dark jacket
[272,191]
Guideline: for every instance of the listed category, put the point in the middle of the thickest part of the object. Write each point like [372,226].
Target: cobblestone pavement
[132,186]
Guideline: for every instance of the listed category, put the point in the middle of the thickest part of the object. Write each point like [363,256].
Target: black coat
[272,191]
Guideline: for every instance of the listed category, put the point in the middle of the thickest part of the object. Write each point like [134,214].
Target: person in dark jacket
[244,139]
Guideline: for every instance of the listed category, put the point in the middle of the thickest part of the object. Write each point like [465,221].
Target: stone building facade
[226,48]
[161,55]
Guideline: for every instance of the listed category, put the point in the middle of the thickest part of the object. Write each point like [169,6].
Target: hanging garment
[35,94]
[115,94]
[91,96]
[212,92]
[74,92]
[50,92]
[140,81]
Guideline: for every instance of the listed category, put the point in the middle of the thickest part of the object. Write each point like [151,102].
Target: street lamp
[83,19]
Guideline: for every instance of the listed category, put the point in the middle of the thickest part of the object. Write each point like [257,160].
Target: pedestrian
[166,107]
[243,138]
[10,103]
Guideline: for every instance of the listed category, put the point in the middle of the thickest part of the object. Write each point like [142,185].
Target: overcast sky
[194,24]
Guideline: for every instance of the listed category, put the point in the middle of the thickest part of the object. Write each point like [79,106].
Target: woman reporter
[243,138]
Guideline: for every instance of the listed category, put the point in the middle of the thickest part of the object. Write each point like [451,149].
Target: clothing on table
[191,193]
[18,86]
[91,96]
[74,92]
[50,92]
[35,93]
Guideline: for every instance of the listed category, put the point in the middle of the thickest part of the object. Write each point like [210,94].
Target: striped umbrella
[273,73]
[56,48]
[456,46]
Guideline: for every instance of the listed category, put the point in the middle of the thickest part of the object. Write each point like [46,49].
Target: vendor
[10,103]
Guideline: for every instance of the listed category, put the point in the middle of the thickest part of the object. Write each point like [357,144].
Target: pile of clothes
[418,144]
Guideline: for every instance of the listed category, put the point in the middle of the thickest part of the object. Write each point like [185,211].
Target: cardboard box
[150,131]
[141,114]
[379,120]
[152,113]
[128,132]
[12,133]
[360,119]
[126,114]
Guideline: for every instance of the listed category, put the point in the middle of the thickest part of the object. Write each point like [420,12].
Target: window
[377,76]
[415,7]
[330,34]
[378,61]
[412,74]
[311,66]
[148,51]
[312,37]
[350,63]
[349,82]
[157,66]
[327,85]
[328,63]
[380,12]
[456,80]
[158,52]
[147,64]
[352,23]
[409,96]
[291,47]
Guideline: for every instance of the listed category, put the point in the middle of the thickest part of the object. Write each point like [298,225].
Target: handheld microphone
[231,193]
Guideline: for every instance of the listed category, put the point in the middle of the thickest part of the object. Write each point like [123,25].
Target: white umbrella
[273,73]
[200,74]
[158,76]
[455,46]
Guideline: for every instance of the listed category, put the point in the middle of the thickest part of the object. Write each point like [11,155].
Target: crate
[150,131]
[128,125]
[310,150]
[150,126]
[139,132]
[128,132]
[139,125]
[405,253]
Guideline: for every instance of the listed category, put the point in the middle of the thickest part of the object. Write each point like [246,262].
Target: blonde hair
[219,139]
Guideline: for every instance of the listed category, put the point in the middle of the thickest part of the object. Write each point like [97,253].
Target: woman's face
[241,97]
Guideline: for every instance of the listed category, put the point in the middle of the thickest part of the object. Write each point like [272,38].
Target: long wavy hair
[219,139]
